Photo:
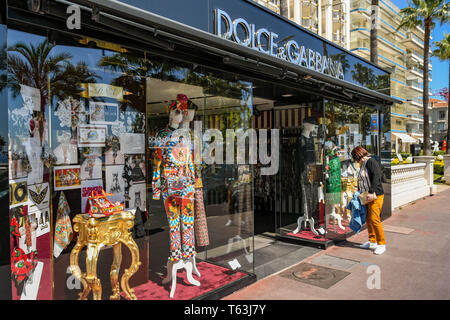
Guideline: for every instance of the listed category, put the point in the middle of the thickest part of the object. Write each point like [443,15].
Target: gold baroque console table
[95,233]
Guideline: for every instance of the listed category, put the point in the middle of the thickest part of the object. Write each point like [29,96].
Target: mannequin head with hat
[177,109]
[309,127]
[189,115]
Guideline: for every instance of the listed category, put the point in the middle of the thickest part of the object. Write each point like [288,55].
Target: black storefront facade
[242,68]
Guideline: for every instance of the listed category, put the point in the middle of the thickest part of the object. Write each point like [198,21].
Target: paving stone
[334,262]
[315,275]
[395,229]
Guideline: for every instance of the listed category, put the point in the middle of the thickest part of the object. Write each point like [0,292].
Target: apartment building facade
[438,115]
[347,23]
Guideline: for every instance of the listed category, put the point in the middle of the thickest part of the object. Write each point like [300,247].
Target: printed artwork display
[71,113]
[18,192]
[92,135]
[115,183]
[91,166]
[134,122]
[27,231]
[66,177]
[34,154]
[112,153]
[132,143]
[136,167]
[63,226]
[66,152]
[103,113]
[137,197]
[86,190]
[42,221]
[38,196]
[31,96]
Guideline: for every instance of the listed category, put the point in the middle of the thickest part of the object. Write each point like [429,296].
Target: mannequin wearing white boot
[306,159]
[174,179]
[333,184]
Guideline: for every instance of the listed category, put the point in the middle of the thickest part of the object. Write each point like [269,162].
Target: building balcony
[414,117]
[338,16]
[310,23]
[413,41]
[416,102]
[415,85]
[415,55]
[310,2]
[339,38]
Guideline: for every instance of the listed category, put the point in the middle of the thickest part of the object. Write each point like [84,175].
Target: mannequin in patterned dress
[174,179]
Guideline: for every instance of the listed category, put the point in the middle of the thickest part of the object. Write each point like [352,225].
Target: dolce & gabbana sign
[263,40]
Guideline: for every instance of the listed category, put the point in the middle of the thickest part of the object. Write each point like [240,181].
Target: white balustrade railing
[409,182]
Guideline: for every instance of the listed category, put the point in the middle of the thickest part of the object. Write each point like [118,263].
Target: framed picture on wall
[92,135]
[67,177]
[103,112]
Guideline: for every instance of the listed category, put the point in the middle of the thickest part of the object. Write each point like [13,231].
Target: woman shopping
[369,181]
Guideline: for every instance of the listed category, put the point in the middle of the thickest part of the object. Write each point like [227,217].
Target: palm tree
[35,66]
[425,13]
[443,53]
[374,32]
[53,74]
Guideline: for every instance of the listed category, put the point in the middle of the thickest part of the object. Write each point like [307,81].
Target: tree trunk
[448,110]
[374,32]
[426,72]
[284,8]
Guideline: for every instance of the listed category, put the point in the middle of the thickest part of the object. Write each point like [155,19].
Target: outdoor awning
[404,137]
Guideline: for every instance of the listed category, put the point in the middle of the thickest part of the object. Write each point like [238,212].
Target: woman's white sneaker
[369,245]
[380,249]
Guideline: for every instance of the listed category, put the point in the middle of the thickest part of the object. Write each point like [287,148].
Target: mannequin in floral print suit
[174,179]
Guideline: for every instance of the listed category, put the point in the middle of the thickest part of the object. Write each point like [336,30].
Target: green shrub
[438,167]
[437,153]
[405,155]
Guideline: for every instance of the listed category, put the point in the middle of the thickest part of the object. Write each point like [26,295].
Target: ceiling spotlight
[287,95]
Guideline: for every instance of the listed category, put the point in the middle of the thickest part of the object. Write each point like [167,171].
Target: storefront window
[5,285]
[84,117]
[301,212]
[347,127]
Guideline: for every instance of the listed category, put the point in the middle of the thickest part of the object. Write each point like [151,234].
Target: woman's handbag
[363,198]
[99,204]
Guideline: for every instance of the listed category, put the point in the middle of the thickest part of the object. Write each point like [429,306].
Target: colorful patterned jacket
[174,172]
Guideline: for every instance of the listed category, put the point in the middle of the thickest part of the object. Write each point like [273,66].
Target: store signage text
[264,41]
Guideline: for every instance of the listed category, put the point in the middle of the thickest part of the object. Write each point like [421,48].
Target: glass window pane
[347,127]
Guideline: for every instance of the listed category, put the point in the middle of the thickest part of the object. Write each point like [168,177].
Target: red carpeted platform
[307,235]
[332,232]
[212,277]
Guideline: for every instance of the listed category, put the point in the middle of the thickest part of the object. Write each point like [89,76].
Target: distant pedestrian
[369,180]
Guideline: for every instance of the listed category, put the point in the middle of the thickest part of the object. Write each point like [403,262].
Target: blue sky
[440,69]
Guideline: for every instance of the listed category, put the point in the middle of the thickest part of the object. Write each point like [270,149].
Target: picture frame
[67,177]
[38,196]
[103,112]
[92,135]
[18,192]
[132,143]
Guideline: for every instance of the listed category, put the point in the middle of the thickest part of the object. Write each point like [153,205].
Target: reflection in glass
[347,127]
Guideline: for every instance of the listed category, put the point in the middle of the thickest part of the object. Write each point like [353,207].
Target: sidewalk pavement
[414,266]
